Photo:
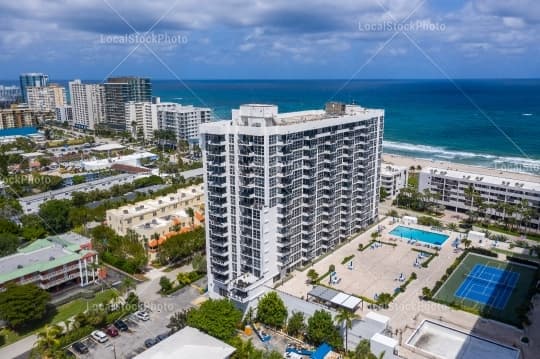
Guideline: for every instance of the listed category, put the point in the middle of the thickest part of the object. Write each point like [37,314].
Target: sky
[267,39]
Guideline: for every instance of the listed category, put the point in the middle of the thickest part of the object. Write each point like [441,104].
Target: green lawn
[446,294]
[70,309]
[63,313]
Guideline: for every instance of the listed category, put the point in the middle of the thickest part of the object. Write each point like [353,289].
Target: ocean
[490,123]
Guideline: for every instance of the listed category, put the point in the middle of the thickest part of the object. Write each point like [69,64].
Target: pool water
[419,235]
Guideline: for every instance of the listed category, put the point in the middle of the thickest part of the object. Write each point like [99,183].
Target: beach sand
[410,161]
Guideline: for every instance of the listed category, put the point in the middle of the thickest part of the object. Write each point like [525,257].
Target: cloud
[301,31]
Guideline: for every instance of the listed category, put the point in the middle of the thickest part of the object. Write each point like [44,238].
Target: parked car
[80,348]
[69,354]
[99,336]
[150,342]
[162,336]
[111,331]
[142,316]
[121,325]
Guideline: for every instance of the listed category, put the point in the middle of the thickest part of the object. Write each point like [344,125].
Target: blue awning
[321,351]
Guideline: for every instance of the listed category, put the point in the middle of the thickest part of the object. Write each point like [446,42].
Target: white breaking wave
[514,164]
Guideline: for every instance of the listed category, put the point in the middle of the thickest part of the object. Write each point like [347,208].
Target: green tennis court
[494,300]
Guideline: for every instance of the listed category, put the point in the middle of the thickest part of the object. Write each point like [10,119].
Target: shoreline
[406,161]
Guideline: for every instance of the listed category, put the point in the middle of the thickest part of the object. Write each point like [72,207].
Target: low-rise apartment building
[450,185]
[393,178]
[51,263]
[30,204]
[158,215]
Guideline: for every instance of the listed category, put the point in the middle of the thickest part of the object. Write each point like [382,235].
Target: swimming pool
[419,235]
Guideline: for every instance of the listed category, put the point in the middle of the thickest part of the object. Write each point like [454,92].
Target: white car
[99,336]
[142,315]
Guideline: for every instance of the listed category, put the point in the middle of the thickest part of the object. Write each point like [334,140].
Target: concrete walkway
[18,348]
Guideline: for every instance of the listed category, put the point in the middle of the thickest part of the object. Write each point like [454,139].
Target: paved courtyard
[374,270]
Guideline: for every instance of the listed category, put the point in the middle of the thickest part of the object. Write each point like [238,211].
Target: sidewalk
[18,348]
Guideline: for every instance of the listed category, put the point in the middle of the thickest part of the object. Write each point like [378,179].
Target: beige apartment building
[160,215]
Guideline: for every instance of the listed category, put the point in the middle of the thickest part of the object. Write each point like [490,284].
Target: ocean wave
[507,163]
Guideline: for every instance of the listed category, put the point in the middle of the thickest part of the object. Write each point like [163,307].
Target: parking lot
[129,344]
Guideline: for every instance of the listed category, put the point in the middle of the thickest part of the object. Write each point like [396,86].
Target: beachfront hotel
[284,188]
[451,185]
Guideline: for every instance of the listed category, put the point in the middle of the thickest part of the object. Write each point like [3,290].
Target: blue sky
[230,39]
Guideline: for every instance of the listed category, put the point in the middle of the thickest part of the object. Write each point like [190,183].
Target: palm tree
[312,275]
[452,226]
[345,318]
[469,193]
[384,299]
[191,213]
[48,340]
[127,284]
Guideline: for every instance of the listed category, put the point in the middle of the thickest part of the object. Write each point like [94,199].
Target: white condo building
[88,101]
[64,114]
[141,119]
[393,178]
[451,185]
[184,121]
[284,188]
[46,98]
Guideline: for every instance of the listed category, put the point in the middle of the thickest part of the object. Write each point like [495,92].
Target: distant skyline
[243,39]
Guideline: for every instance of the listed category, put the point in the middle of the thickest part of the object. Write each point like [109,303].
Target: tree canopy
[271,310]
[321,329]
[217,318]
[21,304]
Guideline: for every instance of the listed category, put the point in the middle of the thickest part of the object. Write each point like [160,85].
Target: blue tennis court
[488,286]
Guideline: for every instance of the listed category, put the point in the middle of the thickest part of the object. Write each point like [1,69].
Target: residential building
[88,101]
[156,216]
[451,185]
[118,92]
[30,204]
[32,79]
[21,116]
[51,263]
[46,98]
[64,114]
[133,159]
[183,121]
[284,188]
[141,119]
[189,343]
[9,95]
[393,178]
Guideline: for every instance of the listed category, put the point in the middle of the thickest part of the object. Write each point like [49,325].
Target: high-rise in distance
[285,188]
[32,79]
[118,92]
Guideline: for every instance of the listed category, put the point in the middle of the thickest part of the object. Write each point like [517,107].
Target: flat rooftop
[189,343]
[267,115]
[511,182]
[38,256]
[444,342]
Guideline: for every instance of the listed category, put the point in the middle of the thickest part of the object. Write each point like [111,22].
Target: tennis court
[488,285]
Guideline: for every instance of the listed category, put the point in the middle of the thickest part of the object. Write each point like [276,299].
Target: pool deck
[375,271]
